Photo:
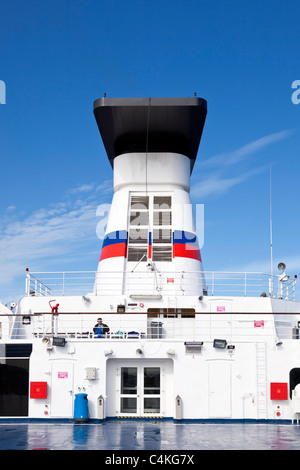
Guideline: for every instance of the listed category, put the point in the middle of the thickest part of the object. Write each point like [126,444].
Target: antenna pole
[271,228]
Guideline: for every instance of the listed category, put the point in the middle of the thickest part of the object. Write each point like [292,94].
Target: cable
[147,141]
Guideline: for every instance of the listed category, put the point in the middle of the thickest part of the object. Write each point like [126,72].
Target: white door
[140,390]
[62,396]
[219,392]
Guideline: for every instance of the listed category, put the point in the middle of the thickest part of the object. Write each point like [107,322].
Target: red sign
[38,389]
[279,391]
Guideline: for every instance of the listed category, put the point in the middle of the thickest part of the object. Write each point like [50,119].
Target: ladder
[261,381]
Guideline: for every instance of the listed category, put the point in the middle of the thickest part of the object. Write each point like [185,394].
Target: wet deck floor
[138,435]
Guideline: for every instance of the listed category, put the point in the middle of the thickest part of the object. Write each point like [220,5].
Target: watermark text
[2,92]
[296,94]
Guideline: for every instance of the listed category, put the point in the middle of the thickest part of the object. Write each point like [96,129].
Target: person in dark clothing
[100,328]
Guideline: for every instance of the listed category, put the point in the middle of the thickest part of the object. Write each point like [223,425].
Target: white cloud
[11,208]
[51,233]
[222,172]
[217,184]
[236,156]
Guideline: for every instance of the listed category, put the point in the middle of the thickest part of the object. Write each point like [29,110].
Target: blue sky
[58,56]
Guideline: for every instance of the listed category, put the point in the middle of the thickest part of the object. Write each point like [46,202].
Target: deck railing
[201,327]
[210,283]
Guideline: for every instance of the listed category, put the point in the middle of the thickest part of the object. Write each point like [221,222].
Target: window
[185,312]
[138,236]
[138,229]
[162,218]
[14,379]
[139,202]
[139,218]
[150,228]
[162,253]
[137,253]
[162,237]
[162,202]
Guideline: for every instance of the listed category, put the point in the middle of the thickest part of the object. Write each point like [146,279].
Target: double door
[140,390]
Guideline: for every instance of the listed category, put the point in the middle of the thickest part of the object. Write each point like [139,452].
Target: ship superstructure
[150,334]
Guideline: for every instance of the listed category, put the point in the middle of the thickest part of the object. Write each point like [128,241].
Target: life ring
[141,305]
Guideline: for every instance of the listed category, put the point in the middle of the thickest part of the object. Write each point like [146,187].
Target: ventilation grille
[139,202]
[136,253]
[162,202]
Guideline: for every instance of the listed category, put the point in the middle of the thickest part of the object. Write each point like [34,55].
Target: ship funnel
[137,125]
[152,145]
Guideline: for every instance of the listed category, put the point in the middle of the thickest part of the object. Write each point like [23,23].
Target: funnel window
[162,202]
[162,253]
[163,235]
[138,236]
[162,218]
[139,203]
[137,253]
[139,218]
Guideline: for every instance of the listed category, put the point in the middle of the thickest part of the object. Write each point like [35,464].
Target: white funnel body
[150,245]
[150,238]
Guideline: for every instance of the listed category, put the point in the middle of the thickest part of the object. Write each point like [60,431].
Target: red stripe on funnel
[114,250]
[186,251]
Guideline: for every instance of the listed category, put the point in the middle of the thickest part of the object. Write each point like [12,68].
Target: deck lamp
[59,341]
[220,343]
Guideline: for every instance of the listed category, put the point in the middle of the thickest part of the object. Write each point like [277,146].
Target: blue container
[81,408]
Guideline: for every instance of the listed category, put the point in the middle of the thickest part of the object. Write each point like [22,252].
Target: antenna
[271,222]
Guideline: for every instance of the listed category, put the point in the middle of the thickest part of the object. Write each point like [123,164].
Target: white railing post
[270,286]
[27,285]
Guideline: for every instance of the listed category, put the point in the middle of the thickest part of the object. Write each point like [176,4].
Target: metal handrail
[79,327]
[179,283]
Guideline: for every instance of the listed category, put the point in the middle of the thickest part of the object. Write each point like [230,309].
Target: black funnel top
[131,125]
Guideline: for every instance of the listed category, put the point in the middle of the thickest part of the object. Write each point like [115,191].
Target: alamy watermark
[2,92]
[189,215]
[296,94]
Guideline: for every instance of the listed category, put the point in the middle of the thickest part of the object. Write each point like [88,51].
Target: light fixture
[85,298]
[171,352]
[46,340]
[281,267]
[59,341]
[139,352]
[26,320]
[220,343]
[193,346]
[278,342]
[108,352]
